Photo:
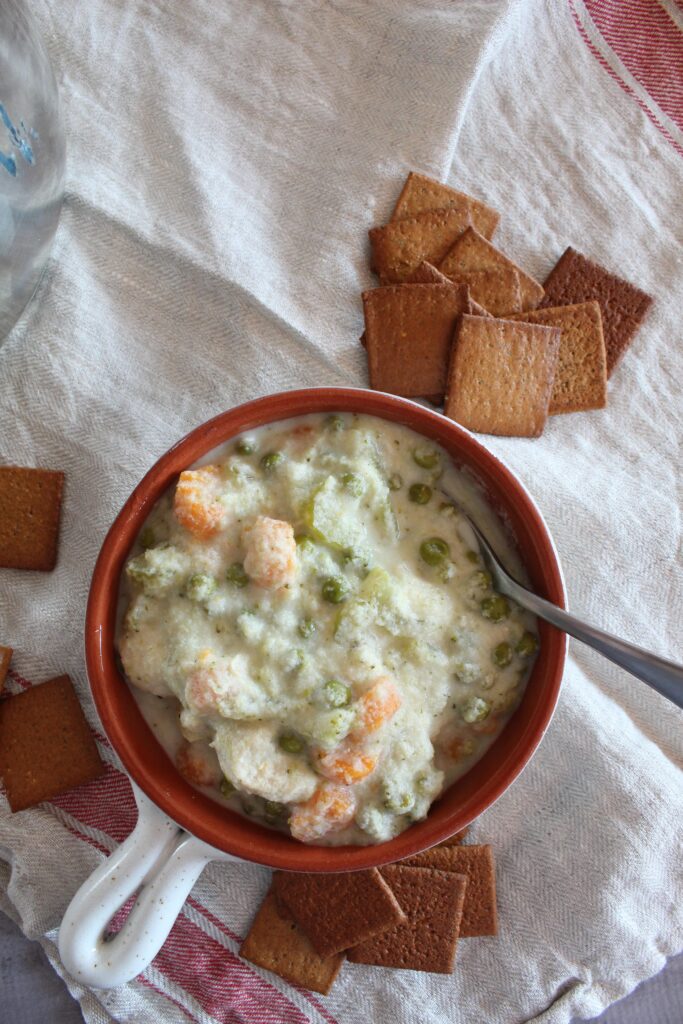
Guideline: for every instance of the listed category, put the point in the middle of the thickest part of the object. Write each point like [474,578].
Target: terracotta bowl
[211,822]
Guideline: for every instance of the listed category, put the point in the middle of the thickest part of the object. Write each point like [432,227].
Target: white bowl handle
[157,856]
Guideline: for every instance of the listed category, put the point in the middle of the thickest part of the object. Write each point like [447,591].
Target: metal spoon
[666,677]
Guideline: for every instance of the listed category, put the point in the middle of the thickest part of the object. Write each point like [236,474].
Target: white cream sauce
[456,655]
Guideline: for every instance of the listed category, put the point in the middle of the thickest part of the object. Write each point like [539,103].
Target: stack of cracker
[456,321]
[407,916]
[46,745]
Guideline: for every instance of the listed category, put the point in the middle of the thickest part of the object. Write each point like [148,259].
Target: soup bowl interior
[150,766]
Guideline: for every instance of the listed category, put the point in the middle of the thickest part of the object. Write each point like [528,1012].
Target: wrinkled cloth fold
[224,164]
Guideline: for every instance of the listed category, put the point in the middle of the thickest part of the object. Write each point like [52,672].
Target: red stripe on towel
[617,78]
[650,46]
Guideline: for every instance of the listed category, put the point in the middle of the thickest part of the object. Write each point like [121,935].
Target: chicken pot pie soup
[311,633]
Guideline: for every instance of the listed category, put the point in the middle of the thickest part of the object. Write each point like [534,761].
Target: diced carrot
[329,809]
[377,705]
[346,764]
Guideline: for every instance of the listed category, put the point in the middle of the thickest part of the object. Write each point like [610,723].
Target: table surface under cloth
[225,161]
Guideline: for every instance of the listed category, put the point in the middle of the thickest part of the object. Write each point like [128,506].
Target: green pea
[226,787]
[236,575]
[290,743]
[423,783]
[245,447]
[395,482]
[147,537]
[335,589]
[502,655]
[472,556]
[337,694]
[426,457]
[273,811]
[296,660]
[271,460]
[306,628]
[481,580]
[200,586]
[353,483]
[444,571]
[475,709]
[140,571]
[527,645]
[420,493]
[250,807]
[495,608]
[400,803]
[335,423]
[434,550]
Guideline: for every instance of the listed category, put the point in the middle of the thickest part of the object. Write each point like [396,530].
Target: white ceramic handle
[158,858]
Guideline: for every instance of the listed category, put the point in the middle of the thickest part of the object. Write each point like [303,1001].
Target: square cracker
[340,910]
[427,274]
[5,658]
[275,942]
[427,939]
[581,374]
[473,252]
[30,506]
[501,376]
[576,279]
[408,335]
[498,289]
[421,193]
[399,247]
[46,745]
[479,915]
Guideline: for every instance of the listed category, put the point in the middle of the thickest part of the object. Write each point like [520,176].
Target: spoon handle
[666,677]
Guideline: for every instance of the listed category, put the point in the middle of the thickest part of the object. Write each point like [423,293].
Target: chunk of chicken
[251,758]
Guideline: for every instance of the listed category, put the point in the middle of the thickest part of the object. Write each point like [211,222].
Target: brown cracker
[30,504]
[421,193]
[399,247]
[501,376]
[409,331]
[497,289]
[339,910]
[581,374]
[479,915]
[426,273]
[5,658]
[474,252]
[275,942]
[427,940]
[576,279]
[46,745]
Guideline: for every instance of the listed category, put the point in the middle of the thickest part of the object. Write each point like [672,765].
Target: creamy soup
[310,630]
